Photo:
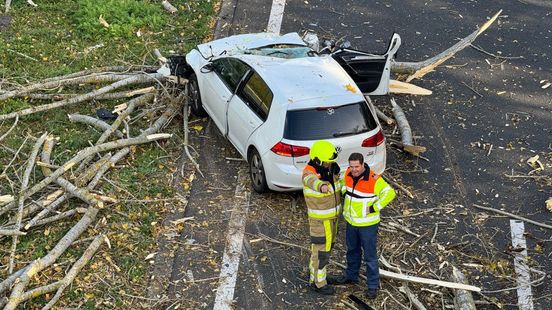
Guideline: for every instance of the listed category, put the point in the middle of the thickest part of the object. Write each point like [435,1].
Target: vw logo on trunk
[338,149]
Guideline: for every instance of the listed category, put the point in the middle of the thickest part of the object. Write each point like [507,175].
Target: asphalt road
[478,100]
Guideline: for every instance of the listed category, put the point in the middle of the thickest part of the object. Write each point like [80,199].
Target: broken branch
[419,69]
[406,132]
[134,79]
[513,216]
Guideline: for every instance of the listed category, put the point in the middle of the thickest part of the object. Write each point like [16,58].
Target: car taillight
[374,140]
[284,149]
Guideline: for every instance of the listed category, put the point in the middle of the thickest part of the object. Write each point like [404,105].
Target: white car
[273,96]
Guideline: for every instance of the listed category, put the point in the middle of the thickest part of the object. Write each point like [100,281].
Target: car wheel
[257,172]
[195,97]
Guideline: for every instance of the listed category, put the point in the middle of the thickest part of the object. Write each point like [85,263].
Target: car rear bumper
[283,176]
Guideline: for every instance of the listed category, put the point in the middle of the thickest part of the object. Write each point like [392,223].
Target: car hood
[248,41]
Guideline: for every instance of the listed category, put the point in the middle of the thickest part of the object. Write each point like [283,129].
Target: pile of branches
[35,206]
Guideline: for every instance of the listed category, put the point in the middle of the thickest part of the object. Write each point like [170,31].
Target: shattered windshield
[281,52]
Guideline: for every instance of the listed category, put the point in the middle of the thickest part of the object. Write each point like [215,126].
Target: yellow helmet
[324,151]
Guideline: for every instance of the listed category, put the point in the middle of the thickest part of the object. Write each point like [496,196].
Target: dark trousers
[362,239]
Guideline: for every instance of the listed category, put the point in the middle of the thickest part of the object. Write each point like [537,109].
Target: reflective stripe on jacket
[369,190]
[321,205]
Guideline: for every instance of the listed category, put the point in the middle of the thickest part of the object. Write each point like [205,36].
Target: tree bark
[40,264]
[169,7]
[21,198]
[138,79]
[463,300]
[89,120]
[131,105]
[406,132]
[92,150]
[75,269]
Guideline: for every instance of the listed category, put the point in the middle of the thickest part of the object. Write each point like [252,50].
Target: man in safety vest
[366,193]
[322,191]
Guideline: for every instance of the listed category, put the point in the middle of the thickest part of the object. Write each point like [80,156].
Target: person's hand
[324,188]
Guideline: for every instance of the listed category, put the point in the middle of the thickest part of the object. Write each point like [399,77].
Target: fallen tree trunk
[103,70]
[406,132]
[135,79]
[90,79]
[108,96]
[419,69]
[463,300]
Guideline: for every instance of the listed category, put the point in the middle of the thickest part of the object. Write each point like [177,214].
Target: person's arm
[385,194]
[311,181]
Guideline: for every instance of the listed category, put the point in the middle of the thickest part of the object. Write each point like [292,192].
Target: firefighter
[322,191]
[366,193]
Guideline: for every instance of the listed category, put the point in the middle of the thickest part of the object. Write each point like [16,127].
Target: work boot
[324,290]
[341,280]
[372,293]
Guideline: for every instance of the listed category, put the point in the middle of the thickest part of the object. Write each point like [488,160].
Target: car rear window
[328,123]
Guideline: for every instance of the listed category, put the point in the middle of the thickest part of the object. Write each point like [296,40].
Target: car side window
[257,95]
[231,71]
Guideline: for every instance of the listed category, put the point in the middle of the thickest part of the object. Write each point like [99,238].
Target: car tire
[195,97]
[257,172]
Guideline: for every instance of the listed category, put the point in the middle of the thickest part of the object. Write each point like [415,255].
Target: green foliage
[55,39]
[124,17]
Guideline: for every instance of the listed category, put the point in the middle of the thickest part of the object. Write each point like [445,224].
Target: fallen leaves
[535,163]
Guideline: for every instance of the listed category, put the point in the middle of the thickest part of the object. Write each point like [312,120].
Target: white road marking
[234,241]
[525,296]
[276,16]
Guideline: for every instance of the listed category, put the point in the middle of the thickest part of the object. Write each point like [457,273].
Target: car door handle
[252,124]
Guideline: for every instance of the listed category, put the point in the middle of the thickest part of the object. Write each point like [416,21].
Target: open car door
[371,72]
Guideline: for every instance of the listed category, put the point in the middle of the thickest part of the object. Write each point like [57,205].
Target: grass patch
[64,36]
[117,18]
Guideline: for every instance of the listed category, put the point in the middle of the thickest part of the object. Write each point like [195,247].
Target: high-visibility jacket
[322,205]
[365,196]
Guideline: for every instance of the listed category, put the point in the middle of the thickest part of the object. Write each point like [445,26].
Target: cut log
[406,132]
[398,87]
[419,69]
[463,299]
